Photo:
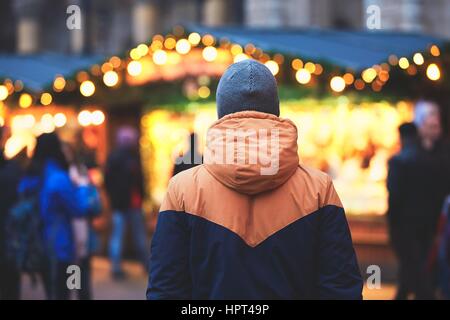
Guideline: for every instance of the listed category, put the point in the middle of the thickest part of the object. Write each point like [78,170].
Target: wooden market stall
[347,92]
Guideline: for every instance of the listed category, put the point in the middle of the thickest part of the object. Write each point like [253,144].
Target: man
[417,187]
[398,220]
[123,183]
[246,229]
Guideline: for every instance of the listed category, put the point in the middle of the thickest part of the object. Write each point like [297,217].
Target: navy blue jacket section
[312,258]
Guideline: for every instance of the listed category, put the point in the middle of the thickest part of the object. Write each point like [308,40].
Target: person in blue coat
[60,200]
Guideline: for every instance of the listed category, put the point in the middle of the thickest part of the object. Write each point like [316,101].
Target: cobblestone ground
[133,287]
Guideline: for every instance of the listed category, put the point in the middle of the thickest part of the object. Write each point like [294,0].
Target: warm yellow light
[310,67]
[142,49]
[183,46]
[204,92]
[319,69]
[170,43]
[194,38]
[134,54]
[383,76]
[348,78]
[110,78]
[98,117]
[85,118]
[272,66]
[369,75]
[208,40]
[240,57]
[2,122]
[3,92]
[59,119]
[173,58]
[134,68]
[433,72]
[403,63]
[418,59]
[337,84]
[160,57]
[25,100]
[115,61]
[59,83]
[46,98]
[235,49]
[87,88]
[209,53]
[303,76]
[156,45]
[297,64]
[434,50]
[359,84]
[47,125]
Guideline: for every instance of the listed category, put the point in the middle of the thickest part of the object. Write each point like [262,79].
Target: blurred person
[59,202]
[417,183]
[84,235]
[428,121]
[399,231]
[10,173]
[227,231]
[124,186]
[436,153]
[191,158]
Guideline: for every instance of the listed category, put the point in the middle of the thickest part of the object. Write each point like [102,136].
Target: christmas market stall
[347,92]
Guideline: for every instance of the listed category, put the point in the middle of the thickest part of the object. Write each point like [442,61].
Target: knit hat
[247,85]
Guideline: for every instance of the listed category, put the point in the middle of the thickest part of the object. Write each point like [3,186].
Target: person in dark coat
[234,228]
[124,186]
[417,186]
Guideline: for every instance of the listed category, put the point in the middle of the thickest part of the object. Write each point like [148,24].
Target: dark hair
[48,147]
[408,130]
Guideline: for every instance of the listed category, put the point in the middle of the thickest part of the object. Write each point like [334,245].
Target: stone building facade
[111,26]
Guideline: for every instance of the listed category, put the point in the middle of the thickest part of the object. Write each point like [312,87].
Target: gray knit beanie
[247,85]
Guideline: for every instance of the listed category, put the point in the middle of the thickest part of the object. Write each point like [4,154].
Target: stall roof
[38,71]
[348,49]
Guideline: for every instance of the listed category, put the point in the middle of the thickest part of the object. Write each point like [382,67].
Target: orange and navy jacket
[227,232]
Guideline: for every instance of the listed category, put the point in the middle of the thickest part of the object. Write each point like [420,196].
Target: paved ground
[133,287]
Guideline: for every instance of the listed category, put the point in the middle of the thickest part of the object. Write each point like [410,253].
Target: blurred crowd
[419,184]
[47,207]
[48,204]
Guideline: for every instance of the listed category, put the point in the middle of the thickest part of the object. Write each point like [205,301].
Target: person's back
[123,178]
[251,223]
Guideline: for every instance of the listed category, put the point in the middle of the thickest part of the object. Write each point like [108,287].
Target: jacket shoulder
[181,183]
[316,184]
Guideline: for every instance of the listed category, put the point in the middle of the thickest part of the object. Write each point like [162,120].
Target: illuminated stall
[346,91]
[28,105]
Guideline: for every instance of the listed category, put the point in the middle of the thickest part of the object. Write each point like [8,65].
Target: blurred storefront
[347,92]
[351,142]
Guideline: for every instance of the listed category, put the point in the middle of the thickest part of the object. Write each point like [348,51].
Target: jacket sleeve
[396,192]
[74,199]
[338,272]
[169,275]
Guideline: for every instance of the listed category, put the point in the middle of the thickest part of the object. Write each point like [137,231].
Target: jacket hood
[251,152]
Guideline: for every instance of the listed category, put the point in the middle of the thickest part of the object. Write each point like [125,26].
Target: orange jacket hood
[252,152]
